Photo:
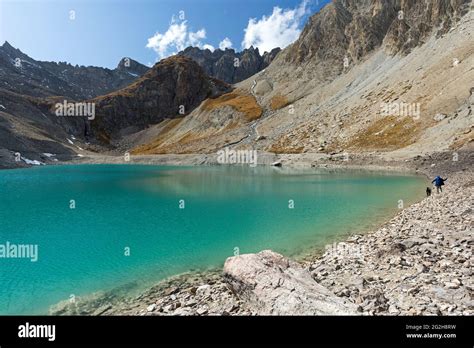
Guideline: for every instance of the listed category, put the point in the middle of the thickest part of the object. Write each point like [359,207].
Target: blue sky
[101,32]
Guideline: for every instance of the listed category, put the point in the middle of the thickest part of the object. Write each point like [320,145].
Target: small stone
[202,310]
[393,310]
[182,311]
[191,303]
[170,291]
[167,308]
[451,285]
[203,290]
[232,307]
[151,308]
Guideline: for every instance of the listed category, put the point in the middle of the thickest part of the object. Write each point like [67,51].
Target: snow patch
[32,162]
[49,155]
[32,64]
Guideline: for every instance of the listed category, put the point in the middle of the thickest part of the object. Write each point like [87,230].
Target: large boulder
[272,285]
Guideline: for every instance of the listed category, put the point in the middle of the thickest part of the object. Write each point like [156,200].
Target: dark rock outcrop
[228,65]
[132,67]
[172,88]
[29,129]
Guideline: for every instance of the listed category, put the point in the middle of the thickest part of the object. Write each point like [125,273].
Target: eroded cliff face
[351,29]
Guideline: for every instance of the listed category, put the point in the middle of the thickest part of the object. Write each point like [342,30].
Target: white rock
[202,310]
[274,285]
[276,164]
[203,290]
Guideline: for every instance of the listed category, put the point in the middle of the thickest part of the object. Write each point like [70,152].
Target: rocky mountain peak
[172,88]
[25,75]
[7,50]
[6,45]
[228,65]
[127,64]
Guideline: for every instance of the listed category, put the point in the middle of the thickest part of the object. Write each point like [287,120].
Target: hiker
[439,181]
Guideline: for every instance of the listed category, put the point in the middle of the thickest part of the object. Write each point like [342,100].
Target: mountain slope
[29,130]
[21,74]
[171,89]
[29,90]
[28,120]
[326,92]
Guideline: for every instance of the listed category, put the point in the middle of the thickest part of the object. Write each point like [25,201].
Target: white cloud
[195,38]
[176,38]
[226,43]
[209,47]
[279,29]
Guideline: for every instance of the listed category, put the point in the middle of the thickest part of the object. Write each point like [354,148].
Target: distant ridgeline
[228,65]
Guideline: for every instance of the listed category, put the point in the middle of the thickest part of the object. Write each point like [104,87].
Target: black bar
[292,331]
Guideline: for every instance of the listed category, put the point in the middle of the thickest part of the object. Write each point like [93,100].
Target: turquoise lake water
[83,250]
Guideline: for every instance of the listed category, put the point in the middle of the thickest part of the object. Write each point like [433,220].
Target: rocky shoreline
[418,263]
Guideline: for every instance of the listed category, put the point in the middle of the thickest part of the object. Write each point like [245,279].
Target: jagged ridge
[222,64]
